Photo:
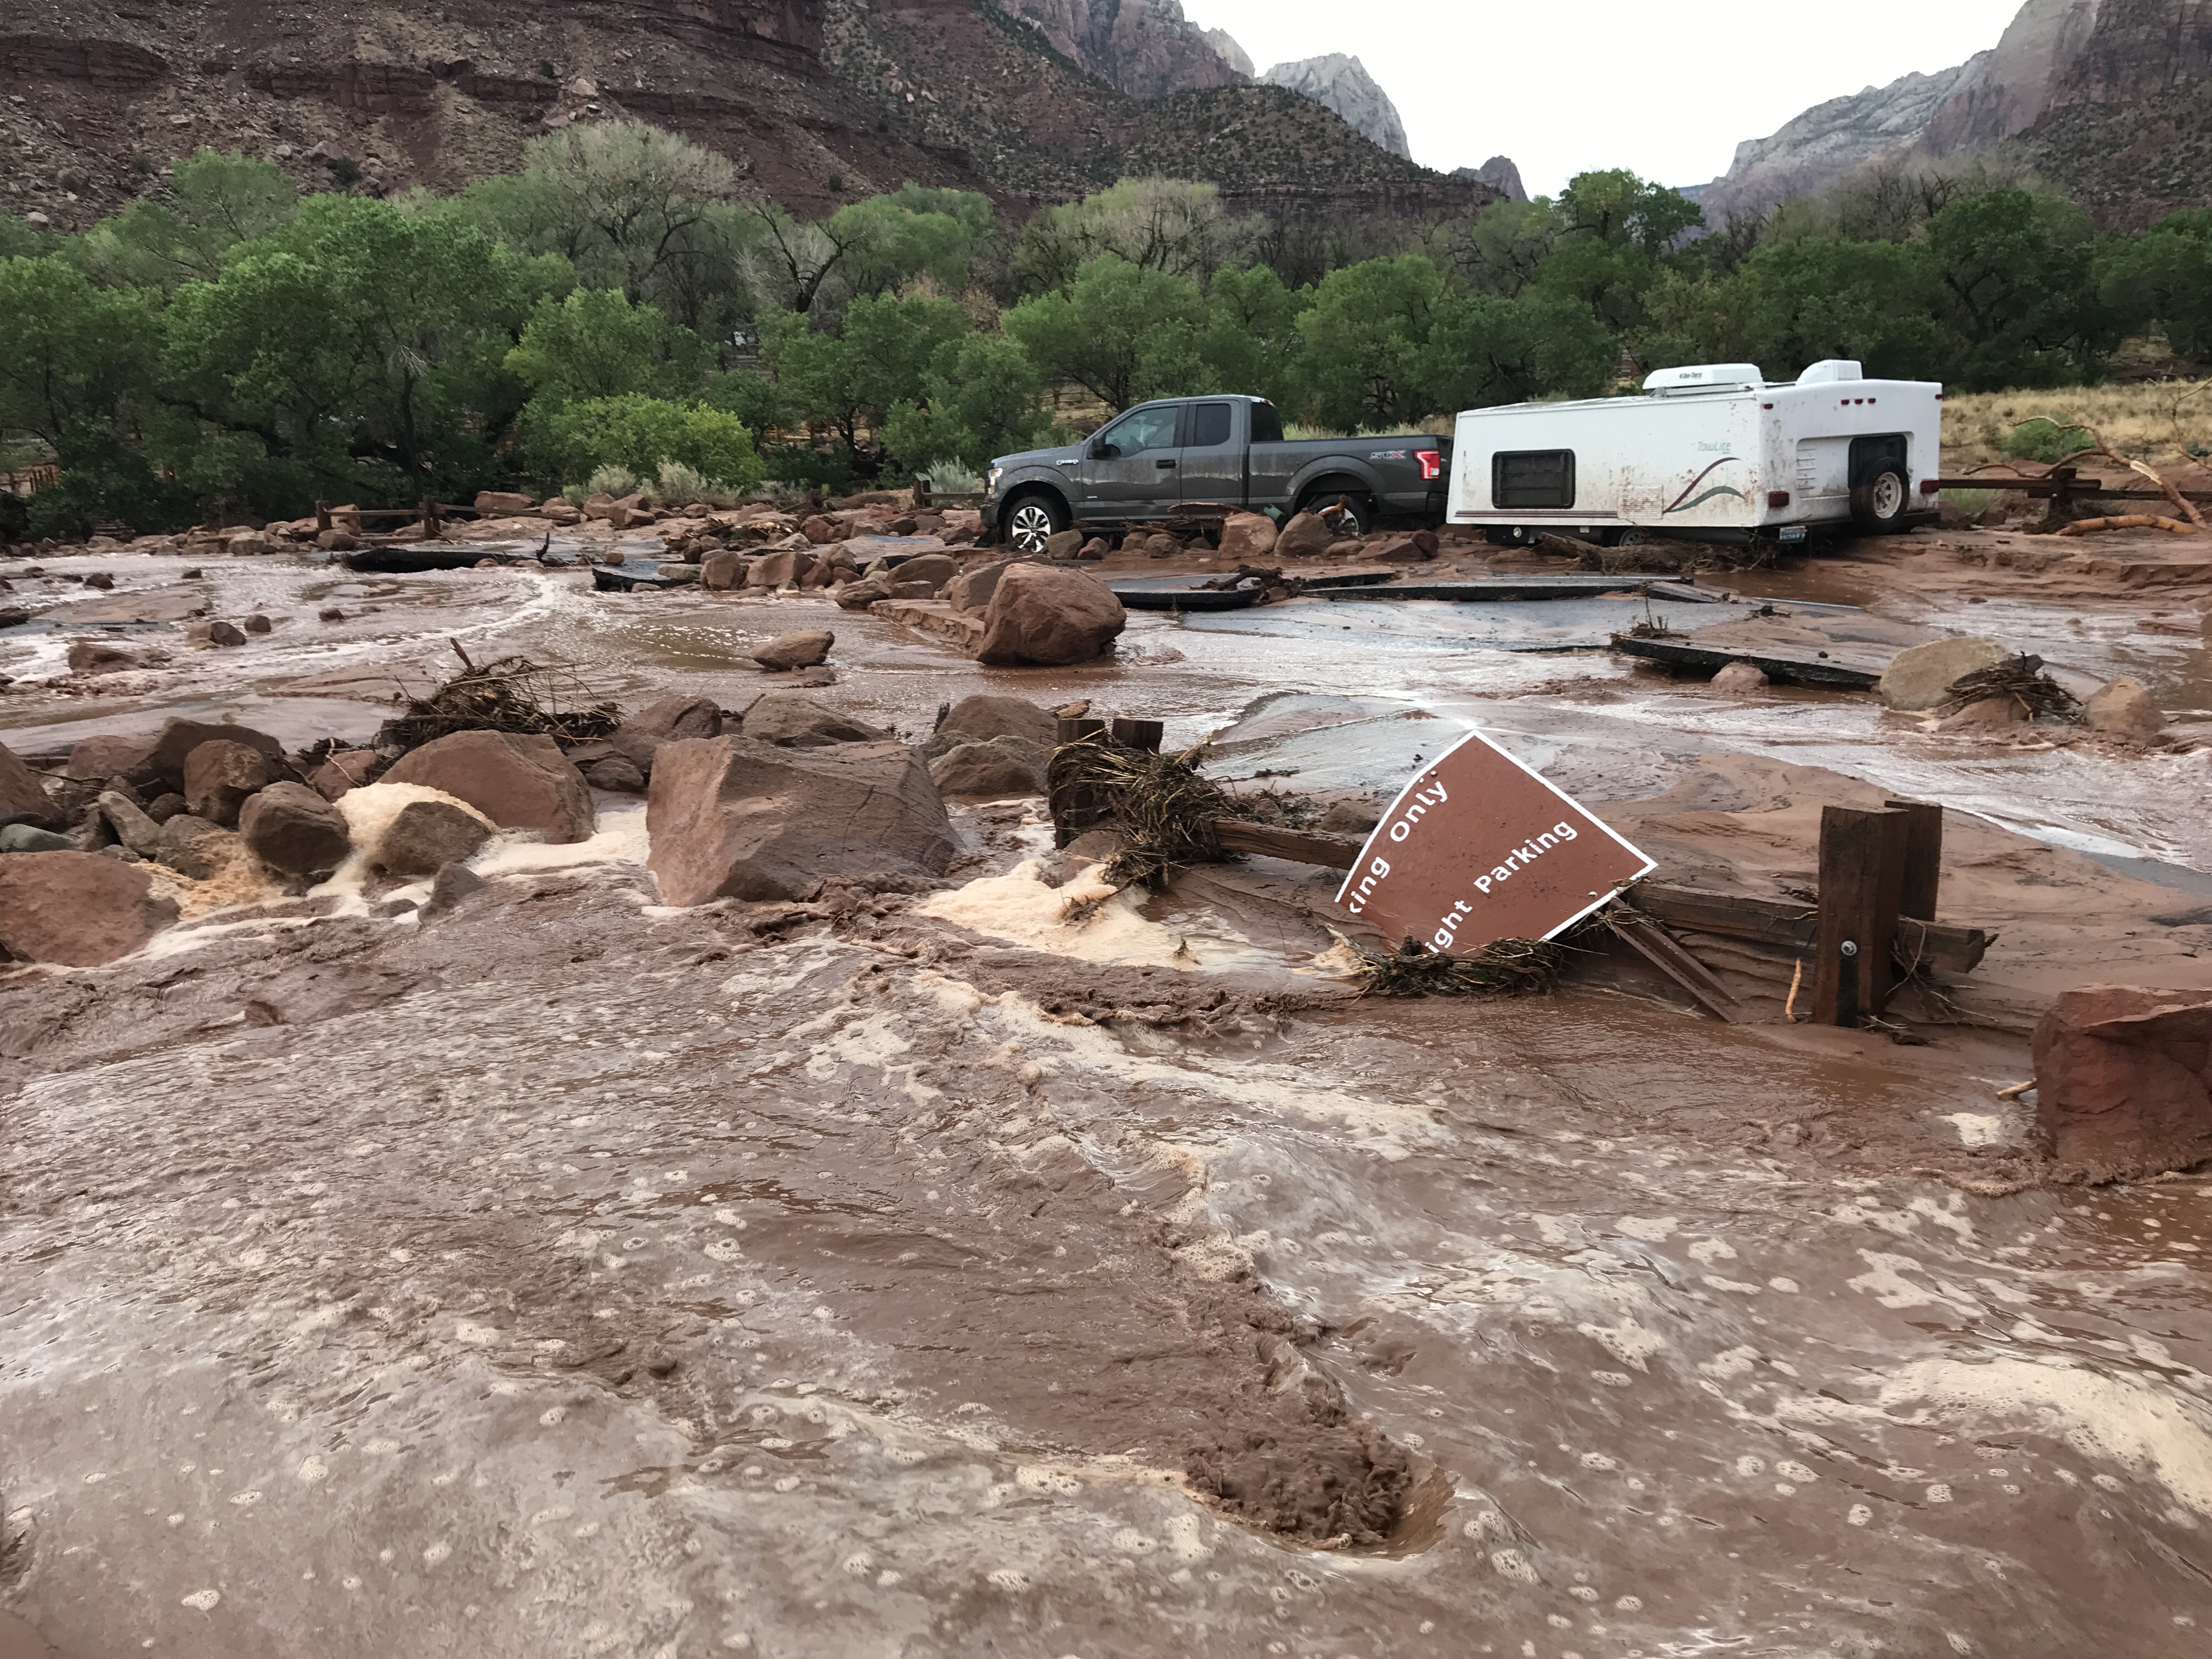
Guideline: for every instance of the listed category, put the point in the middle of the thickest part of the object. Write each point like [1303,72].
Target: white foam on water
[1976,1129]
[1086,918]
[2146,1430]
[619,838]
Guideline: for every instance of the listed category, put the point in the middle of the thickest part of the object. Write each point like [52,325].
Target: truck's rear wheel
[1359,517]
[1033,520]
[1878,504]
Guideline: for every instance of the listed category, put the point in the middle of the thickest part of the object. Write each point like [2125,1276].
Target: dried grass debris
[514,694]
[2022,678]
[1505,967]
[1163,810]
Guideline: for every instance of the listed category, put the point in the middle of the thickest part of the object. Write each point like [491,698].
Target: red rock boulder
[220,776]
[518,782]
[734,817]
[79,909]
[21,791]
[295,831]
[637,739]
[2124,1080]
[1248,536]
[1041,615]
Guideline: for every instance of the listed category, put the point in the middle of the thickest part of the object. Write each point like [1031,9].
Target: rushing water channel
[571,1275]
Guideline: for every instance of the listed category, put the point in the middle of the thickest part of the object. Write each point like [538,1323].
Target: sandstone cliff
[1344,85]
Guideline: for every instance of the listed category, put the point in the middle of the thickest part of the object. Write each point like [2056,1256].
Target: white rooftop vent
[1835,369]
[1705,377]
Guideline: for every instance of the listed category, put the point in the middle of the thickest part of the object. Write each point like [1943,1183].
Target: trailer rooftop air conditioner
[1834,369]
[1703,377]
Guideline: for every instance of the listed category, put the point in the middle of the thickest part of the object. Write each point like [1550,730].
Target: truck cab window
[1210,425]
[1266,424]
[1533,477]
[1134,434]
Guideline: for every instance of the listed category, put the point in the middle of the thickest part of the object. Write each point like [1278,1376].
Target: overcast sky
[1563,86]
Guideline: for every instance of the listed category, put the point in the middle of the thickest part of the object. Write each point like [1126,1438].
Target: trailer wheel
[1631,537]
[1878,504]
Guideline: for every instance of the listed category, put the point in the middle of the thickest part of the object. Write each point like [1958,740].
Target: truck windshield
[1266,424]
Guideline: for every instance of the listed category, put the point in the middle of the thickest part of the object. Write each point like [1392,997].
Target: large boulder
[733,817]
[935,568]
[1064,544]
[132,827]
[1919,677]
[165,762]
[723,571]
[1307,536]
[96,759]
[791,719]
[213,630]
[219,775]
[971,589]
[518,782]
[77,909]
[801,649]
[100,657]
[1041,615]
[2123,709]
[295,831]
[344,770]
[779,569]
[998,769]
[1247,536]
[986,715]
[859,596]
[2124,1080]
[673,717]
[193,846]
[21,794]
[504,503]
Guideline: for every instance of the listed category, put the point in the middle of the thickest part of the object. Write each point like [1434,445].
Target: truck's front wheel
[1033,520]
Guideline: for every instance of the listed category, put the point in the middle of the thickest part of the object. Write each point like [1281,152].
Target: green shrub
[637,433]
[2045,440]
[679,485]
[615,480]
[950,478]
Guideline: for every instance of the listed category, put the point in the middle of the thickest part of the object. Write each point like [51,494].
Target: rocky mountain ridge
[815,101]
[1344,85]
[2109,100]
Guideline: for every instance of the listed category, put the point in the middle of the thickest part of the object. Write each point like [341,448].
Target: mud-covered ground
[566,1274]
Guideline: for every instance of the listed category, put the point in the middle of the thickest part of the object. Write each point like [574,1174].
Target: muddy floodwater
[572,1275]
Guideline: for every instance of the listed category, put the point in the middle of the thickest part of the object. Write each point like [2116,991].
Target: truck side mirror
[1101,450]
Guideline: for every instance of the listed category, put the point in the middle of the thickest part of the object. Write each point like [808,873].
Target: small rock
[133,827]
[1919,677]
[779,569]
[1094,549]
[2123,709]
[101,580]
[257,623]
[295,831]
[979,718]
[1162,546]
[502,503]
[935,568]
[723,571]
[662,721]
[819,531]
[29,838]
[163,808]
[424,836]
[859,596]
[1985,713]
[1402,550]
[453,884]
[1064,545]
[99,657]
[801,649]
[333,541]
[1737,678]
[1350,548]
[12,615]
[219,775]
[618,775]
[1349,818]
[213,630]
[1248,536]
[342,769]
[999,770]
[164,761]
[330,613]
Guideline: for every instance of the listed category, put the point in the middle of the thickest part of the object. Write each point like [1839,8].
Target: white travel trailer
[1711,453]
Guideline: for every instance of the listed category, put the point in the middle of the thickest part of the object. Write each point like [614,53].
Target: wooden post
[1923,858]
[430,516]
[1862,875]
[1139,734]
[1076,808]
[921,493]
[323,516]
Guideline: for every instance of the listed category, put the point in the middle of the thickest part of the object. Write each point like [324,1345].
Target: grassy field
[2158,423]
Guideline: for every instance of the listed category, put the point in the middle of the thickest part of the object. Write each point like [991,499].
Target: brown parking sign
[1477,848]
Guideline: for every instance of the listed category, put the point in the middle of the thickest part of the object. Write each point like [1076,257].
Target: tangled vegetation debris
[2022,678]
[1163,810]
[512,694]
[1505,967]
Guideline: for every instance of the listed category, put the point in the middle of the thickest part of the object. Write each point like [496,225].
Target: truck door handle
[1163,463]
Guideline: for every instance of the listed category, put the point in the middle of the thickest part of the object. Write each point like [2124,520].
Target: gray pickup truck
[1160,458]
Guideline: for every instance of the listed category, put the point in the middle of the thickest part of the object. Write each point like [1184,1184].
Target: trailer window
[1266,424]
[1533,477]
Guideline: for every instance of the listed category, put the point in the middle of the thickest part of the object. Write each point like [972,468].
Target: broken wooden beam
[1923,858]
[1788,925]
[1331,852]
[1651,941]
